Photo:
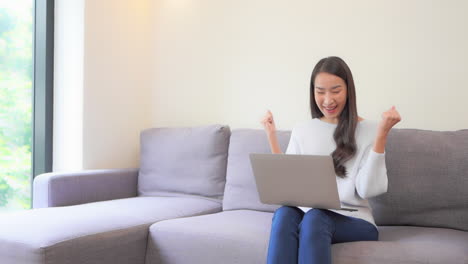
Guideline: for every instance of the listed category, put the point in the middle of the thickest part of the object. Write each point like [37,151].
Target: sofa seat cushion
[407,244]
[242,236]
[237,236]
[113,231]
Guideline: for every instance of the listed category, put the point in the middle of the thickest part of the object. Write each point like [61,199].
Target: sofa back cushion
[241,191]
[427,180]
[183,161]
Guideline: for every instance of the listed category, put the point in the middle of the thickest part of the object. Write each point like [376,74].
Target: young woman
[357,145]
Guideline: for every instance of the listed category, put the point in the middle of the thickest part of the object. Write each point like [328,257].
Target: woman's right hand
[269,123]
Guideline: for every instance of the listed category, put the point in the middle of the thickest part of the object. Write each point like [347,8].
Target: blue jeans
[298,237]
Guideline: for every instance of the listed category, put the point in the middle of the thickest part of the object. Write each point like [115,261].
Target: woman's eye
[336,92]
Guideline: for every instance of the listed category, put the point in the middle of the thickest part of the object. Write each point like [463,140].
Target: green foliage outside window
[16,73]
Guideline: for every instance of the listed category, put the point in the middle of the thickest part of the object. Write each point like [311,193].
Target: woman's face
[330,96]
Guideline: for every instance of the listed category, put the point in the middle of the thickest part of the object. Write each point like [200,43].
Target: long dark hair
[344,134]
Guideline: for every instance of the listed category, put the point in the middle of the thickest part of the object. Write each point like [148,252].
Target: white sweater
[366,171]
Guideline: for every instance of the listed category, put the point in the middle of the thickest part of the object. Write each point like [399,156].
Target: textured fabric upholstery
[241,236]
[406,244]
[237,236]
[71,188]
[113,232]
[241,190]
[427,180]
[184,161]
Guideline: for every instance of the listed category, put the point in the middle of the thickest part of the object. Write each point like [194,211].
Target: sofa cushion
[241,190]
[102,232]
[242,236]
[427,180]
[406,244]
[184,161]
[238,236]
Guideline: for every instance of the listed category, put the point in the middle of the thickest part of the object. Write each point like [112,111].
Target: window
[25,90]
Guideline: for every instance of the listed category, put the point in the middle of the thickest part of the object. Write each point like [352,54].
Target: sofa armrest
[71,188]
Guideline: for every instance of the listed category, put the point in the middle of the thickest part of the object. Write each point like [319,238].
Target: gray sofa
[193,200]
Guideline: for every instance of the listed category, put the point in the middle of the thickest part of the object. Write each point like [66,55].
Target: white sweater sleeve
[371,179]
[293,146]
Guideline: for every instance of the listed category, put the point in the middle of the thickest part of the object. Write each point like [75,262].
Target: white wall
[102,82]
[228,61]
[68,85]
[149,63]
[117,81]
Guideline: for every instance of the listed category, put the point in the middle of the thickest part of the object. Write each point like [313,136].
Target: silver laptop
[296,180]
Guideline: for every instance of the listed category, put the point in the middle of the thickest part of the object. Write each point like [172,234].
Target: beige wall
[117,81]
[111,99]
[154,63]
[229,61]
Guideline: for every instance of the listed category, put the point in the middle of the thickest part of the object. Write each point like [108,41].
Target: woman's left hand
[389,119]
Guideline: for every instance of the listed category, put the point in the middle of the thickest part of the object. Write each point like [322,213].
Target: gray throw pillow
[241,190]
[183,161]
[427,179]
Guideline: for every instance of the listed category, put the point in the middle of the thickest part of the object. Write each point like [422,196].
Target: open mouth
[330,110]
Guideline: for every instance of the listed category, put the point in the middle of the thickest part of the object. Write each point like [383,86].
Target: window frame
[43,83]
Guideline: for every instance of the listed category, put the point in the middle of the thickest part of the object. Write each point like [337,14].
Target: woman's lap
[298,237]
[343,228]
